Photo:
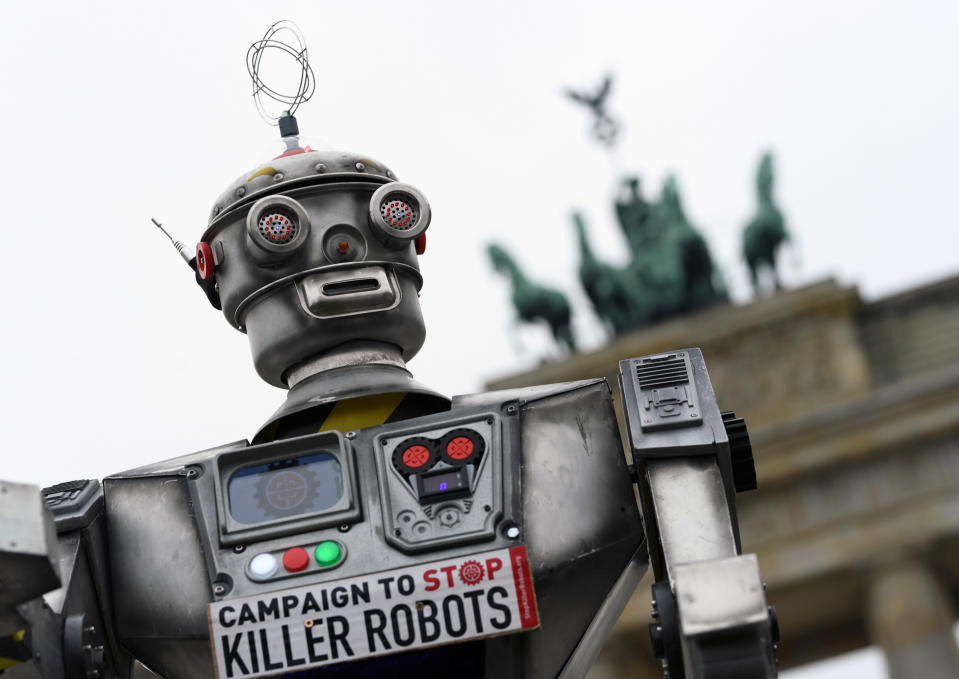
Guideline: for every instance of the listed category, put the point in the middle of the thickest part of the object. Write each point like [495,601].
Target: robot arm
[711,620]
[54,608]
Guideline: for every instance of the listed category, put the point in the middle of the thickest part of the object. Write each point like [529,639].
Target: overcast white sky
[117,111]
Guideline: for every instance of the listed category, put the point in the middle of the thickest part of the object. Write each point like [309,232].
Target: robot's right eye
[276,227]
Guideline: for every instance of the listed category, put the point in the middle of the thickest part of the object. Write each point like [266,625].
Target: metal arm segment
[711,620]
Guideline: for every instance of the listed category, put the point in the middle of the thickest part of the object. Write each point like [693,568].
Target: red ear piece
[420,244]
[204,261]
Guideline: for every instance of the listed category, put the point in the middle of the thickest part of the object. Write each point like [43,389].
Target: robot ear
[202,266]
[399,214]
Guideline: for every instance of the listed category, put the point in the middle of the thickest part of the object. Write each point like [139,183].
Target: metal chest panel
[159,577]
[581,516]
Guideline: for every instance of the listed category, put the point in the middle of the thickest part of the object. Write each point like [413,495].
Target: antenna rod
[180,247]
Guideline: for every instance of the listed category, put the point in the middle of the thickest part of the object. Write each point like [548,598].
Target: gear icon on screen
[286,488]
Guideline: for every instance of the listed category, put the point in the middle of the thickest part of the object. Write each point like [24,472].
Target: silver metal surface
[347,292]
[559,451]
[603,622]
[297,169]
[28,551]
[692,516]
[298,305]
[654,407]
[354,354]
[720,594]
[582,526]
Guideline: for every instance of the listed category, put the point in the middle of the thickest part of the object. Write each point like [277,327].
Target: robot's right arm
[711,619]
[55,612]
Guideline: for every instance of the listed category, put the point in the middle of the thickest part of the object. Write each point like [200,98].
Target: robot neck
[350,371]
[345,357]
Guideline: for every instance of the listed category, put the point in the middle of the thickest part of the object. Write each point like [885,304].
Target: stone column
[911,618]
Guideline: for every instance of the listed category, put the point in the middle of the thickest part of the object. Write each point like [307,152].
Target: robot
[372,527]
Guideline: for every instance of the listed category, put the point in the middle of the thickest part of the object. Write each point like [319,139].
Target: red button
[415,457]
[460,448]
[296,559]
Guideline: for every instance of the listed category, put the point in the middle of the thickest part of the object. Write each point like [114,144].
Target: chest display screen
[442,485]
[285,488]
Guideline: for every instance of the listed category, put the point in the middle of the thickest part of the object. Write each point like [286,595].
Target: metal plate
[430,604]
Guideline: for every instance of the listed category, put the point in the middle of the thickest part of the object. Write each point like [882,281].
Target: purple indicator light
[443,485]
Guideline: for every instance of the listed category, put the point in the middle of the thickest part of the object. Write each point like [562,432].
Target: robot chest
[345,546]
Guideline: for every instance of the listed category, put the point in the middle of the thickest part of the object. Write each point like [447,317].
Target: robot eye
[398,214]
[276,227]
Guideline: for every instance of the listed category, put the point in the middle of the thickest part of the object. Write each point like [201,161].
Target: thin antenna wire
[180,247]
[254,57]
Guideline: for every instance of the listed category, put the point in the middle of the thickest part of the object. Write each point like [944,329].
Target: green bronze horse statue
[534,302]
[766,232]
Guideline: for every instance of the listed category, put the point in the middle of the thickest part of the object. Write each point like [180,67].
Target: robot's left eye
[276,226]
[399,214]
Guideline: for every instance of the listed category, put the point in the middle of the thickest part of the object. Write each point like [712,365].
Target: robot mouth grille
[399,214]
[278,226]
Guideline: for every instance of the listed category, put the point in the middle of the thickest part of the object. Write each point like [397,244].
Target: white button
[263,566]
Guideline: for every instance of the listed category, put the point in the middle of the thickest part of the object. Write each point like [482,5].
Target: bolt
[511,409]
[217,210]
[278,177]
[239,548]
[219,589]
[487,508]
[351,434]
[308,623]
[320,168]
[343,527]
[360,167]
[389,174]
[240,192]
[397,532]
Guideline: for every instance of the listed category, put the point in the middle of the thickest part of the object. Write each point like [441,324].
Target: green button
[328,553]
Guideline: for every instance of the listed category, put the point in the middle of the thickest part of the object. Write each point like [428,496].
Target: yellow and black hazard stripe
[12,650]
[351,414]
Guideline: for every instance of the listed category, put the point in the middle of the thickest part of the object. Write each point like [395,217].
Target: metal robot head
[314,250]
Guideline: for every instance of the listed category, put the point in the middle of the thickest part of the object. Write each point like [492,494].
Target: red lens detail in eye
[277,227]
[398,214]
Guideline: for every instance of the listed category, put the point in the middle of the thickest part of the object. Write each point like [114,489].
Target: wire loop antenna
[286,37]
